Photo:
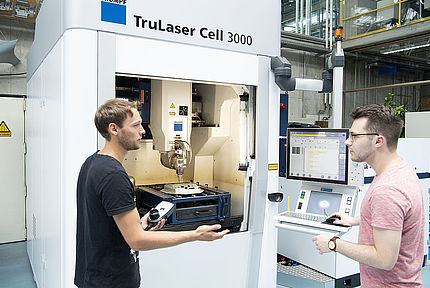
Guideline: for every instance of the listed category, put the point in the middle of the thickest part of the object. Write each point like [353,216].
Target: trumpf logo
[114,11]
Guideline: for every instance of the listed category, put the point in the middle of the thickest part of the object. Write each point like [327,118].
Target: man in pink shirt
[390,245]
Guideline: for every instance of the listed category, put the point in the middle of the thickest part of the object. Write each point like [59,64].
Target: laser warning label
[4,130]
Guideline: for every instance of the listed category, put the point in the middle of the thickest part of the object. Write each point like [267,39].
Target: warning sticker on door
[4,130]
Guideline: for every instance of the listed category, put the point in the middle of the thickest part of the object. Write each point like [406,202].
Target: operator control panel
[324,202]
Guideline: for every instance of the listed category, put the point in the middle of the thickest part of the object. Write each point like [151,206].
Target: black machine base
[232,223]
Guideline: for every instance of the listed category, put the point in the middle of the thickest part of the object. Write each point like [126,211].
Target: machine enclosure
[77,52]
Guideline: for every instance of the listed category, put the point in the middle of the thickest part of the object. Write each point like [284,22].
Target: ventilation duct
[7,52]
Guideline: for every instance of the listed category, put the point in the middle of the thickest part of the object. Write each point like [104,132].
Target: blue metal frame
[223,199]
[283,126]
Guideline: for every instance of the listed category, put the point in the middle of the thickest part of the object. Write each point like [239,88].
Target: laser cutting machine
[209,64]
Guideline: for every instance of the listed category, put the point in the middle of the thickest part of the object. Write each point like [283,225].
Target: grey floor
[15,270]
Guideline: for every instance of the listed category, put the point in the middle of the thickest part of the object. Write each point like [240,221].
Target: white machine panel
[185,262]
[55,154]
[171,65]
[171,112]
[12,192]
[296,243]
[414,151]
[245,26]
[306,220]
[414,121]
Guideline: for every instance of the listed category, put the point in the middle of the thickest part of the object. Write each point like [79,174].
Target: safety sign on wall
[4,130]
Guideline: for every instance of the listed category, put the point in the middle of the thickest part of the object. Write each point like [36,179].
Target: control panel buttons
[349,200]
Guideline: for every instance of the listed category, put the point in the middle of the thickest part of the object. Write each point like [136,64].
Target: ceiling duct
[7,52]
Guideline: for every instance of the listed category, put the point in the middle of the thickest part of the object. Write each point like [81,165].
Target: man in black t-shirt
[109,231]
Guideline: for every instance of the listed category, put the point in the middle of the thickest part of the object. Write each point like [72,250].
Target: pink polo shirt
[394,201]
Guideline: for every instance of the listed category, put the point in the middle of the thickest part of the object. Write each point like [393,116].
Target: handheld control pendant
[162,211]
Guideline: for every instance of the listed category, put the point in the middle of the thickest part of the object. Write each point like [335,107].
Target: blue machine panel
[114,13]
[283,126]
[177,127]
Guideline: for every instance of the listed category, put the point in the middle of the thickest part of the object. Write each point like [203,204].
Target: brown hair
[113,111]
[381,119]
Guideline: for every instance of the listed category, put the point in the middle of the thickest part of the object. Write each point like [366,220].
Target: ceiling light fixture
[407,48]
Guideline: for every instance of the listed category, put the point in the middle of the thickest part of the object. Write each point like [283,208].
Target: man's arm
[140,240]
[346,220]
[382,255]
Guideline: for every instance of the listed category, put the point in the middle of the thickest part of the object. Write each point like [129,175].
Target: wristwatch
[332,243]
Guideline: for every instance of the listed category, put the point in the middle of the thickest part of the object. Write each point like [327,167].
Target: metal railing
[365,17]
[22,10]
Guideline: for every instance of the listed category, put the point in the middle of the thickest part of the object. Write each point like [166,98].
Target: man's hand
[207,233]
[321,242]
[144,223]
[345,219]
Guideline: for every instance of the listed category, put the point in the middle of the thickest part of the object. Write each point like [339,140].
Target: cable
[17,74]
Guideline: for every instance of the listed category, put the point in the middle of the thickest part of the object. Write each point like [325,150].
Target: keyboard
[308,220]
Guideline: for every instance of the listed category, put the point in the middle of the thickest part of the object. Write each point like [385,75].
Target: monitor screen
[317,154]
[324,203]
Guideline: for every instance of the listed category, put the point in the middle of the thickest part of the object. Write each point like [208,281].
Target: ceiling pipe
[7,52]
[388,86]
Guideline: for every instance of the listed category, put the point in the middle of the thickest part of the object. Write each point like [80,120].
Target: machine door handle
[305,229]
[202,212]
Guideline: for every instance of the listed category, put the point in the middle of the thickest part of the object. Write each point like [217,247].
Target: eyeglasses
[352,136]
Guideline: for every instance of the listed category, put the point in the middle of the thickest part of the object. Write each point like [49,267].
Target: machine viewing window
[317,154]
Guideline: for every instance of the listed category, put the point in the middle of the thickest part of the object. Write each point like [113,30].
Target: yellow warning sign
[4,130]
[273,166]
[172,106]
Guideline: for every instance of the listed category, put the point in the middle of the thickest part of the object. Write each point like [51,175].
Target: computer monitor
[317,154]
[324,203]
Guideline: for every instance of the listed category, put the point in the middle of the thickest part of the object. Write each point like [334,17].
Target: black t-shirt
[103,258]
